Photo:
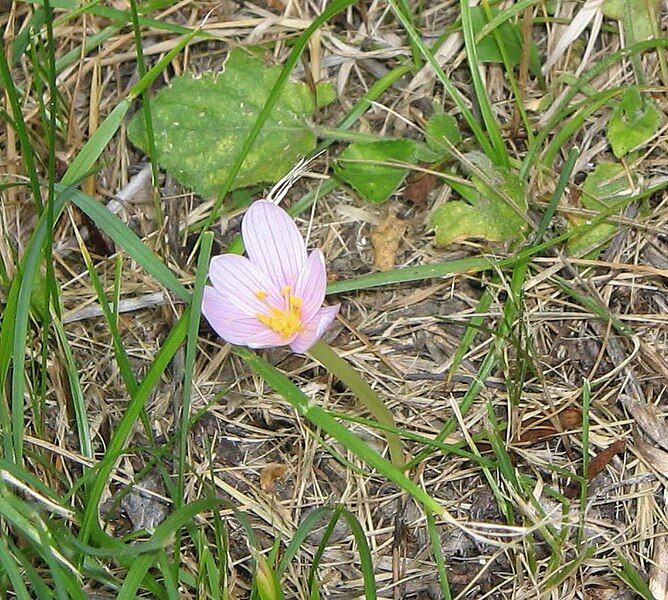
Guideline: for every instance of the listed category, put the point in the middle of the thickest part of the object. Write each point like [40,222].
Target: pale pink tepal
[274,297]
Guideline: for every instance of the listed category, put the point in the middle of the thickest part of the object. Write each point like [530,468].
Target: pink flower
[274,297]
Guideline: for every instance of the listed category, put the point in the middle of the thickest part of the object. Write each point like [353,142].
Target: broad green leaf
[240,199]
[606,185]
[485,213]
[634,120]
[200,124]
[639,13]
[488,49]
[442,133]
[364,167]
[458,220]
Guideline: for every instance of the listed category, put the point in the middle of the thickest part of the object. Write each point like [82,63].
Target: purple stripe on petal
[311,284]
[235,326]
[273,242]
[314,328]
[239,280]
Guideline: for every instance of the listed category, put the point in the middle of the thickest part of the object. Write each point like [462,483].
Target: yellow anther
[286,322]
[261,295]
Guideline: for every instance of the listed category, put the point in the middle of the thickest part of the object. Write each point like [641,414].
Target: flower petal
[311,284]
[239,281]
[234,325]
[314,329]
[273,242]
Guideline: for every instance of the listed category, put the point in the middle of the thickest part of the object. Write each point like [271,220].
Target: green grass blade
[506,468]
[191,352]
[52,289]
[11,568]
[559,576]
[29,525]
[595,306]
[15,326]
[306,527]
[148,117]
[39,588]
[574,124]
[469,334]
[584,483]
[94,147]
[125,238]
[455,449]
[118,17]
[342,370]
[171,585]
[27,153]
[121,356]
[454,93]
[558,115]
[23,37]
[377,89]
[418,273]
[188,375]
[92,42]
[500,155]
[78,400]
[503,15]
[405,7]
[135,576]
[560,188]
[322,546]
[13,330]
[437,551]
[127,422]
[630,576]
[320,418]
[510,75]
[485,370]
[366,563]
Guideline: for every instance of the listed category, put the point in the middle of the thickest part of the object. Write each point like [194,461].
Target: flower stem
[340,368]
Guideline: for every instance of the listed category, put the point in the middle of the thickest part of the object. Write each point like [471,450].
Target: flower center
[287,321]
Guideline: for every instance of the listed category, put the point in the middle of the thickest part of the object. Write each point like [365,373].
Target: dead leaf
[596,465]
[385,239]
[418,187]
[570,418]
[538,429]
[600,461]
[415,297]
[144,506]
[270,476]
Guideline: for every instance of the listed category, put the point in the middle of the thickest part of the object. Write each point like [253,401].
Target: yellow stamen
[286,322]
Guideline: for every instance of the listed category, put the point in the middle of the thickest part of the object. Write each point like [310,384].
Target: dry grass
[403,338]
